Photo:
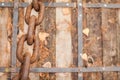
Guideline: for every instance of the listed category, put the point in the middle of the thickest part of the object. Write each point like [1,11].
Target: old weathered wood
[118,39]
[93,43]
[5,42]
[109,40]
[63,40]
[74,32]
[92,40]
[47,46]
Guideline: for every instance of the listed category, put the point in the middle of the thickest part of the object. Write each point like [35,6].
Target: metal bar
[90,69]
[64,70]
[89,5]
[62,4]
[80,41]
[102,5]
[65,4]
[14,34]
[11,4]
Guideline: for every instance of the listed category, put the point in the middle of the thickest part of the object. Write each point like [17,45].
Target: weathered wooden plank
[47,46]
[74,33]
[118,42]
[118,39]
[5,42]
[63,40]
[92,42]
[109,40]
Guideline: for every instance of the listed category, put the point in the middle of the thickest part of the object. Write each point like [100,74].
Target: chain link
[33,21]
[31,30]
[25,67]
[20,49]
[30,37]
[40,14]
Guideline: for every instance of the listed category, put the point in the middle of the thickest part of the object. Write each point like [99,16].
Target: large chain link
[25,67]
[30,37]
[33,21]
[20,49]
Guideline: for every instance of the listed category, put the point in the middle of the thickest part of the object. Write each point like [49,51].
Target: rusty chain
[30,37]
[25,67]
[33,21]
[20,49]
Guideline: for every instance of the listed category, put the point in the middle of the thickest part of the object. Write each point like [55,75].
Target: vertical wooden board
[109,27]
[118,42]
[4,43]
[92,42]
[74,34]
[109,33]
[118,38]
[109,42]
[47,46]
[63,41]
[5,39]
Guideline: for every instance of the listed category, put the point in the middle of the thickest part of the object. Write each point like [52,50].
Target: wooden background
[58,39]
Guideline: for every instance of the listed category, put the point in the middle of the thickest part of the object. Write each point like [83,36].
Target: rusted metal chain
[25,67]
[20,49]
[40,15]
[33,21]
[26,59]
[31,30]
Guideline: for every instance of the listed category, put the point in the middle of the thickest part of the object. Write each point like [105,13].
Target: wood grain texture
[109,25]
[5,40]
[118,38]
[109,33]
[93,43]
[74,34]
[48,46]
[63,41]
[118,41]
